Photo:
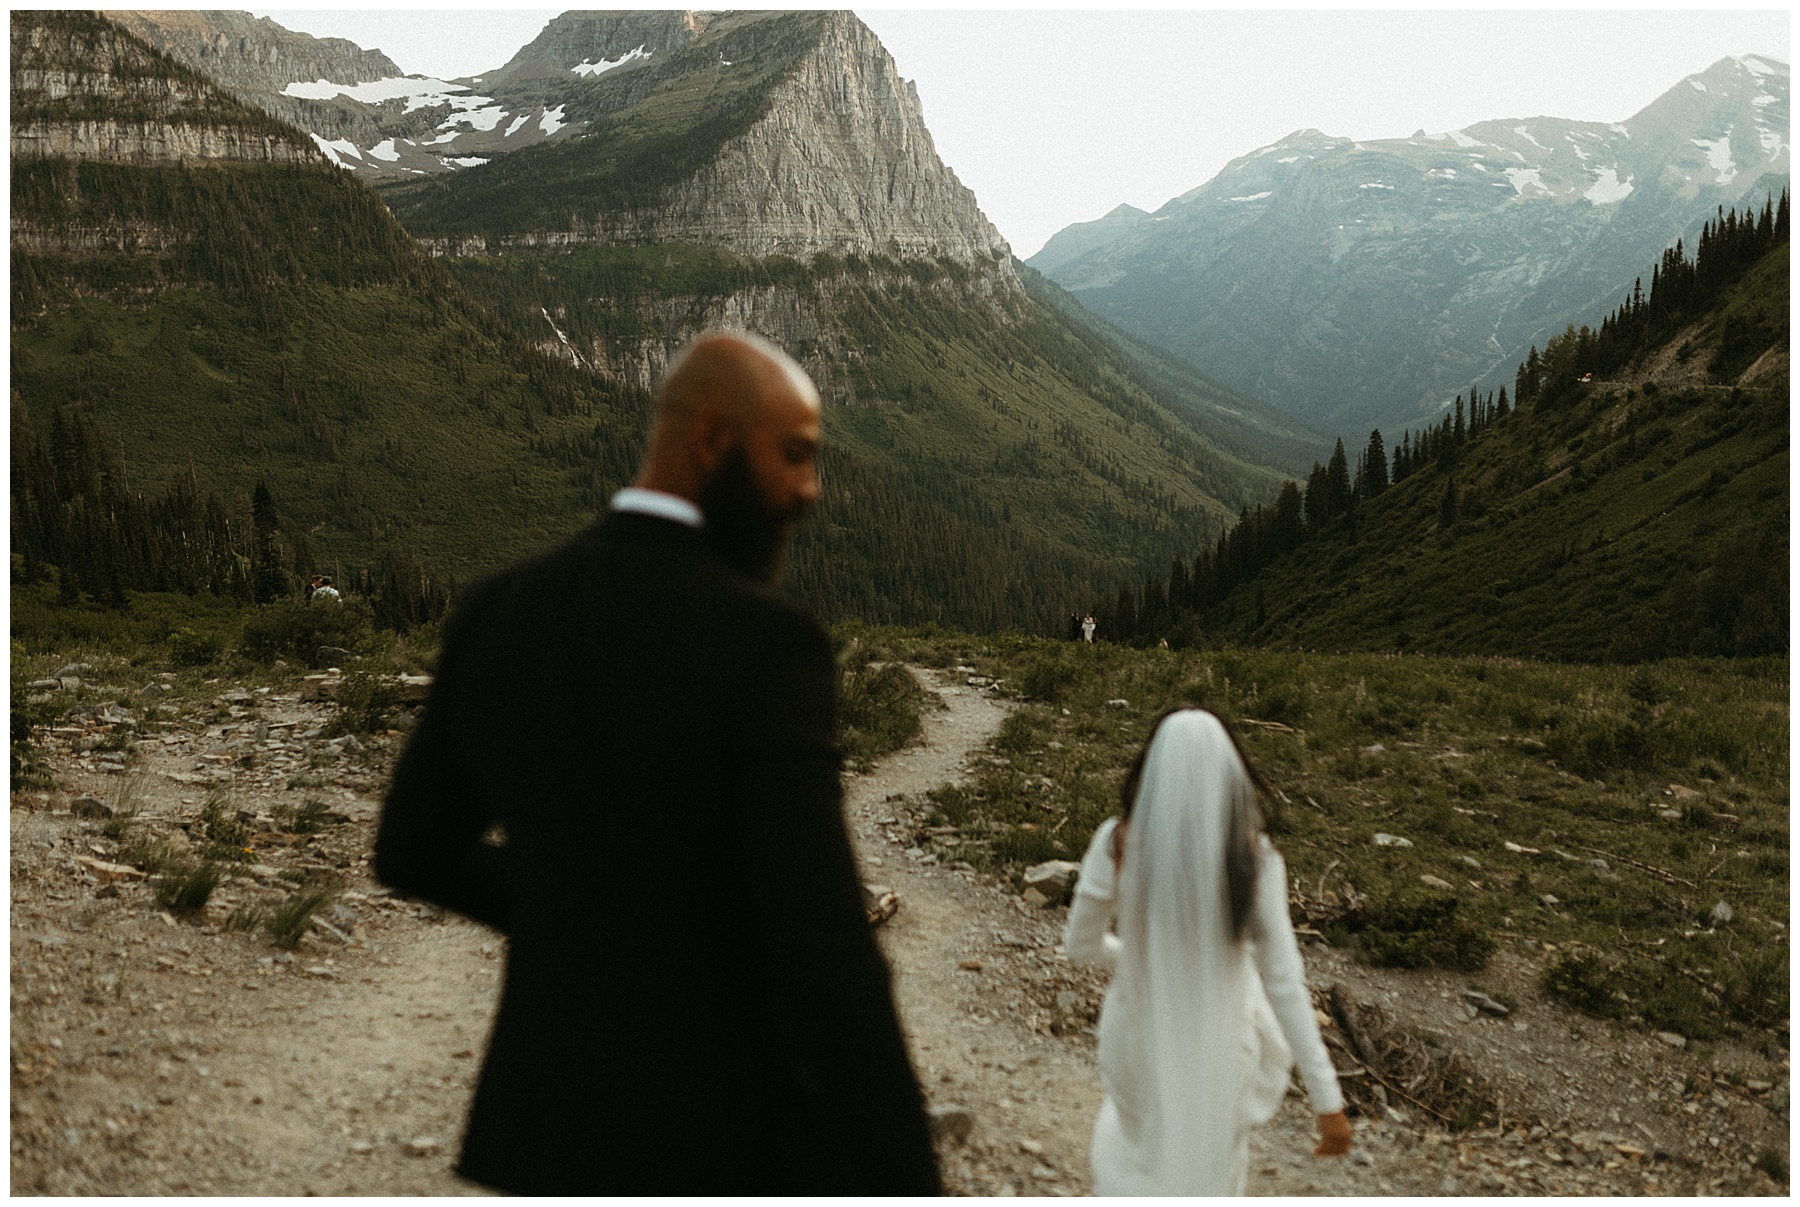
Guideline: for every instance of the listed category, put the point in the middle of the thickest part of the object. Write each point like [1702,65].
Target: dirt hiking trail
[159,1056]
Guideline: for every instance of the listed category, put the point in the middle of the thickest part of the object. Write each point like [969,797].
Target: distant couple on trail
[628,766]
[1082,629]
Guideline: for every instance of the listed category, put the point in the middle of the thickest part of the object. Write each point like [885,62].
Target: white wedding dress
[1182,1061]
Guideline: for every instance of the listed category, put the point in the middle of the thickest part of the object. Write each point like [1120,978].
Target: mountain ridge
[990,461]
[1360,284]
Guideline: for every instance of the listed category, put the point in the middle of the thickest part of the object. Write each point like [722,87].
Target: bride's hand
[1334,1136]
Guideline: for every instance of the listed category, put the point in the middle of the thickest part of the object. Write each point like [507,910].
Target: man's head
[737,431]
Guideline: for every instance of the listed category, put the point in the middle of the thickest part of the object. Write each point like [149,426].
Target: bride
[1204,967]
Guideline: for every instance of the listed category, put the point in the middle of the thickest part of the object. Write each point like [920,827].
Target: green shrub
[225,835]
[1582,980]
[1048,678]
[153,855]
[366,701]
[879,710]
[1759,992]
[309,818]
[1675,1003]
[246,918]
[1421,931]
[1771,1163]
[186,887]
[29,771]
[188,648]
[288,922]
[293,628]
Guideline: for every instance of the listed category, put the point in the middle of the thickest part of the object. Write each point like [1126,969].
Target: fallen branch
[1277,726]
[1659,873]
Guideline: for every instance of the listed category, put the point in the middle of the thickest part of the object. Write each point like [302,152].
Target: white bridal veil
[1177,1055]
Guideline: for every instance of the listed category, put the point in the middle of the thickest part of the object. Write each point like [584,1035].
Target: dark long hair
[1244,824]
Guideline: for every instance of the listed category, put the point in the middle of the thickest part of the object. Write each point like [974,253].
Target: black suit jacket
[693,1001]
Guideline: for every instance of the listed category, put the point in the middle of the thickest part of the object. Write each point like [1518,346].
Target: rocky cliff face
[246,54]
[841,163]
[1364,284]
[362,111]
[837,160]
[83,89]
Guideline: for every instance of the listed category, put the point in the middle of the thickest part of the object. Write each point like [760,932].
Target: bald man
[628,766]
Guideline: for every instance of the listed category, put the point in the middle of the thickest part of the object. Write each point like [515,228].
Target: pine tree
[268,579]
[1374,473]
[1337,482]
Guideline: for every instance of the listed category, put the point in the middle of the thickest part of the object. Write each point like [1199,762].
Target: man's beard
[741,527]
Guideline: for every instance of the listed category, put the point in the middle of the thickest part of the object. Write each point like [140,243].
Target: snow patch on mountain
[483,119]
[1463,140]
[516,123]
[376,92]
[1250,197]
[466,161]
[552,120]
[1524,133]
[1608,188]
[1699,87]
[1527,178]
[1756,66]
[385,150]
[589,70]
[336,149]
[1718,156]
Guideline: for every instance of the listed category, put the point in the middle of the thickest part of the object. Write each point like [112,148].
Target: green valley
[1632,505]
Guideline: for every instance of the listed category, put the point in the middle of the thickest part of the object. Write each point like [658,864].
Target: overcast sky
[1054,117]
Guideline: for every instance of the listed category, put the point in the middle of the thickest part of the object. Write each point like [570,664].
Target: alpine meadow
[1451,472]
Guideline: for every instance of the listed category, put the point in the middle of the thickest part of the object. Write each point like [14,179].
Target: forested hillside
[189,325]
[993,460]
[1629,502]
[195,326]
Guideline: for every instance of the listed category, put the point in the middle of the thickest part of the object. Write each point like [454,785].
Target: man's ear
[713,436]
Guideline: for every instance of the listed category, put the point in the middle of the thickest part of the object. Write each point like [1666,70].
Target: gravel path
[152,1055]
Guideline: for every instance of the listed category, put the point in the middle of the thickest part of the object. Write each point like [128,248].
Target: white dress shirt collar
[658,503]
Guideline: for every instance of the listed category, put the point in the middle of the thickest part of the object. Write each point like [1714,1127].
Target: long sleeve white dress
[1179,1050]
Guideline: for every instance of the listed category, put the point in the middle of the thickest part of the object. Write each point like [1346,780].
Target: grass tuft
[288,922]
[186,887]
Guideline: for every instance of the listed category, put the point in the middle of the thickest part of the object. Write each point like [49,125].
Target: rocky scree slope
[1359,284]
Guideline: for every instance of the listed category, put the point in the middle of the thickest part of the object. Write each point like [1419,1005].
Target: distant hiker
[1162,643]
[325,592]
[318,580]
[1087,629]
[1074,626]
[694,1003]
[1208,1010]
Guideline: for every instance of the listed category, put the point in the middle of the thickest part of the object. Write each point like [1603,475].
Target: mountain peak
[584,44]
[767,133]
[1486,240]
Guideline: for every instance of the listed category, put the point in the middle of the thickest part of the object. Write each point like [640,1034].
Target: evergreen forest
[1627,503]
